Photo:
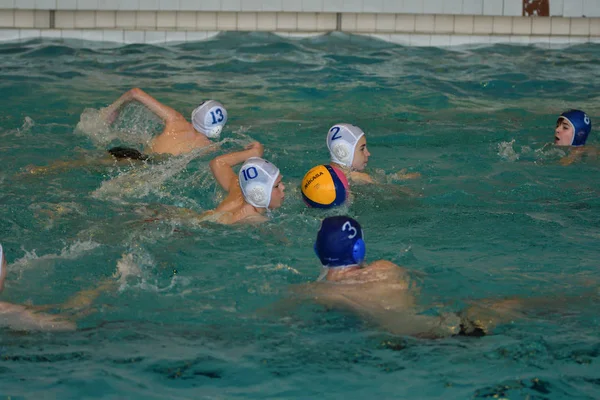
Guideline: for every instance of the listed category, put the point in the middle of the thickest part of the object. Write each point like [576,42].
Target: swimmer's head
[261,184]
[209,118]
[2,268]
[348,146]
[340,242]
[572,128]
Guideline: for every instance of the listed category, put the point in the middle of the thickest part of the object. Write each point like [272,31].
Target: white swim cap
[257,177]
[209,118]
[341,142]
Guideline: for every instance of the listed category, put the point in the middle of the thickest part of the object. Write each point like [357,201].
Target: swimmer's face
[277,194]
[361,155]
[563,134]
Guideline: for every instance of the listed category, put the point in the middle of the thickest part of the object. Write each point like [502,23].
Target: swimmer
[178,136]
[380,292]
[26,318]
[251,193]
[572,129]
[347,146]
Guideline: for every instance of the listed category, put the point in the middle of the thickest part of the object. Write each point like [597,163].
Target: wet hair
[121,153]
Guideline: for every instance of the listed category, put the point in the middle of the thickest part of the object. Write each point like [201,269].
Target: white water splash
[507,152]
[72,252]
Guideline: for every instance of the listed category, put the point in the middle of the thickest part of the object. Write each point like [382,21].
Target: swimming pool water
[494,214]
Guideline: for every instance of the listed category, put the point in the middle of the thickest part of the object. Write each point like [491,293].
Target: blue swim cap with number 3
[340,242]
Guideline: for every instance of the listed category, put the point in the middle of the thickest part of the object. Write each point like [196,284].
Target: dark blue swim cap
[582,125]
[340,242]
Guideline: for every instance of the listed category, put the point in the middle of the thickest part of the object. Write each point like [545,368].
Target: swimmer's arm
[164,112]
[222,166]
[361,177]
[18,317]
[403,175]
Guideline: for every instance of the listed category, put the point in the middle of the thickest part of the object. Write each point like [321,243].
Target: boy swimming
[178,136]
[347,146]
[572,129]
[256,189]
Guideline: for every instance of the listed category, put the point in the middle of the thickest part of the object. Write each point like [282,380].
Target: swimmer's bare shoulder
[361,177]
[21,318]
[178,137]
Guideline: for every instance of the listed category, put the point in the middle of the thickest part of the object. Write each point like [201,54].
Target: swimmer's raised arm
[164,112]
[222,166]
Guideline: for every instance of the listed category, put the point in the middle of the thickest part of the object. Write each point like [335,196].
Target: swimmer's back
[178,137]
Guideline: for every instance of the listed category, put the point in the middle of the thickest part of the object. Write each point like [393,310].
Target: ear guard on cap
[341,142]
[358,251]
[257,195]
[209,118]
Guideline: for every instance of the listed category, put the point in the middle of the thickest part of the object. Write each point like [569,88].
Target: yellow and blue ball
[324,186]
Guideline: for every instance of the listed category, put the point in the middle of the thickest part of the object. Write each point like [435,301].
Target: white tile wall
[393,6]
[540,26]
[502,26]
[460,40]
[171,5]
[413,7]
[453,7]
[556,8]
[349,22]
[332,5]
[85,19]
[522,25]
[168,19]
[133,36]
[24,4]
[126,19]
[405,23]
[29,33]
[9,34]
[420,40]
[372,6]
[108,5]
[591,8]
[352,6]
[207,21]
[7,18]
[424,23]
[312,5]
[250,5]
[483,25]
[51,33]
[7,4]
[365,22]
[64,19]
[473,7]
[518,39]
[45,4]
[227,21]
[440,40]
[144,20]
[444,24]
[492,7]
[186,20]
[191,36]
[326,21]
[385,22]
[513,8]
[595,26]
[66,4]
[129,5]
[560,26]
[287,21]
[271,5]
[307,22]
[463,24]
[580,26]
[230,5]
[267,21]
[110,35]
[106,19]
[402,39]
[24,18]
[291,5]
[572,8]
[150,5]
[155,37]
[208,5]
[175,36]
[95,36]
[247,21]
[433,6]
[72,34]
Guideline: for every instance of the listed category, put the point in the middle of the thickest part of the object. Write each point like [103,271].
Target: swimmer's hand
[256,149]
[360,177]
[403,175]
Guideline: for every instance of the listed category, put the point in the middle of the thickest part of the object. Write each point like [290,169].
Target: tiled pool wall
[409,22]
